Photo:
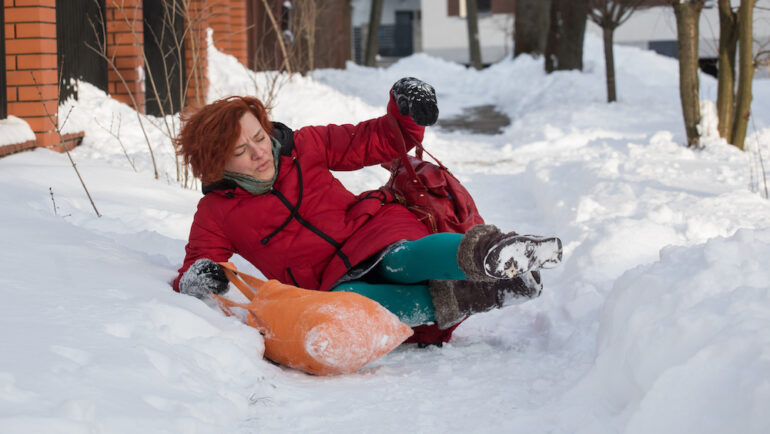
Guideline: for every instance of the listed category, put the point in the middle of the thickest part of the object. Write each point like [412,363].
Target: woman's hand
[417,99]
[204,277]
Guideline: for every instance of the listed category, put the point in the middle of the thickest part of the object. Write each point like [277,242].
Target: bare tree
[564,47]
[310,47]
[474,45]
[728,40]
[53,118]
[531,25]
[609,15]
[687,17]
[179,24]
[372,42]
[277,28]
[101,49]
[304,25]
[745,72]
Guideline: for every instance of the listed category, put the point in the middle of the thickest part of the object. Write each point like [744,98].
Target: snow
[658,319]
[14,130]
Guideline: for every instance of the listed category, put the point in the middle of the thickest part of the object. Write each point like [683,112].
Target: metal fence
[80,41]
[164,31]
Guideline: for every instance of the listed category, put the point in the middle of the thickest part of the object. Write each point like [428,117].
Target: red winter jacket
[309,230]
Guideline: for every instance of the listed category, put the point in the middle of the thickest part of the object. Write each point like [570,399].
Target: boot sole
[518,254]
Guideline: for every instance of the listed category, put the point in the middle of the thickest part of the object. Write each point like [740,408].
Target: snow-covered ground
[657,321]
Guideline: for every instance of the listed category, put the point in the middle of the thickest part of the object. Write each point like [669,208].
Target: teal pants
[405,271]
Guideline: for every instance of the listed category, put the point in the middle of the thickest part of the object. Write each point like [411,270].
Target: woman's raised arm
[351,147]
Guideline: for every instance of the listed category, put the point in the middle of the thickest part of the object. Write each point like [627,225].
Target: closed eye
[240,150]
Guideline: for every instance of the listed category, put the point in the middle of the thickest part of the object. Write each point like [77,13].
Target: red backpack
[438,200]
[430,191]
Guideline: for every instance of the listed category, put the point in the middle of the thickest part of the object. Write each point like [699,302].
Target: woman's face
[253,154]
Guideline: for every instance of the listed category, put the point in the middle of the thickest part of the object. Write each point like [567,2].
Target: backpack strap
[418,147]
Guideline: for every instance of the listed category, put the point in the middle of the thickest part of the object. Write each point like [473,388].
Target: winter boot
[485,253]
[455,300]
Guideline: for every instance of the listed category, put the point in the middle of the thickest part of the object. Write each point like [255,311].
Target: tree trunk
[574,16]
[473,33]
[745,72]
[372,36]
[554,36]
[728,38]
[531,23]
[687,16]
[568,21]
[609,62]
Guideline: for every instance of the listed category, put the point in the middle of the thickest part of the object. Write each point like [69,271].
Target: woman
[270,196]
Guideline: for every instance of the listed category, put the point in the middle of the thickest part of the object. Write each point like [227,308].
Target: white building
[439,28]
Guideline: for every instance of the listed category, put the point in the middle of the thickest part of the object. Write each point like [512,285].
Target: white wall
[361,10]
[659,24]
[447,37]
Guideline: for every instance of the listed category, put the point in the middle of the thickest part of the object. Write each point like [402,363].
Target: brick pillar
[196,54]
[238,35]
[31,77]
[228,20]
[125,43]
[220,22]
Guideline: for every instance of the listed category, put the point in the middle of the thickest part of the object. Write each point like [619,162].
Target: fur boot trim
[447,312]
[473,248]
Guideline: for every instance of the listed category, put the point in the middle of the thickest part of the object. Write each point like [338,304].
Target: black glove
[204,277]
[417,99]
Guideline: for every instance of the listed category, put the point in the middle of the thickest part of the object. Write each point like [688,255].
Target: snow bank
[93,338]
[14,130]
[688,336]
[683,343]
[657,320]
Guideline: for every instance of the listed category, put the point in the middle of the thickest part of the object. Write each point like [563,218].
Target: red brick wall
[238,44]
[17,147]
[220,23]
[125,42]
[31,51]
[196,54]
[228,20]
[31,64]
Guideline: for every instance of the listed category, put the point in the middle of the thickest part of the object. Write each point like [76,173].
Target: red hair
[208,135]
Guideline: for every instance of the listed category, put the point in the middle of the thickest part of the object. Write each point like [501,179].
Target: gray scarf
[254,185]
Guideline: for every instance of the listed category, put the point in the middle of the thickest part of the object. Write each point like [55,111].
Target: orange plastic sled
[318,332]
